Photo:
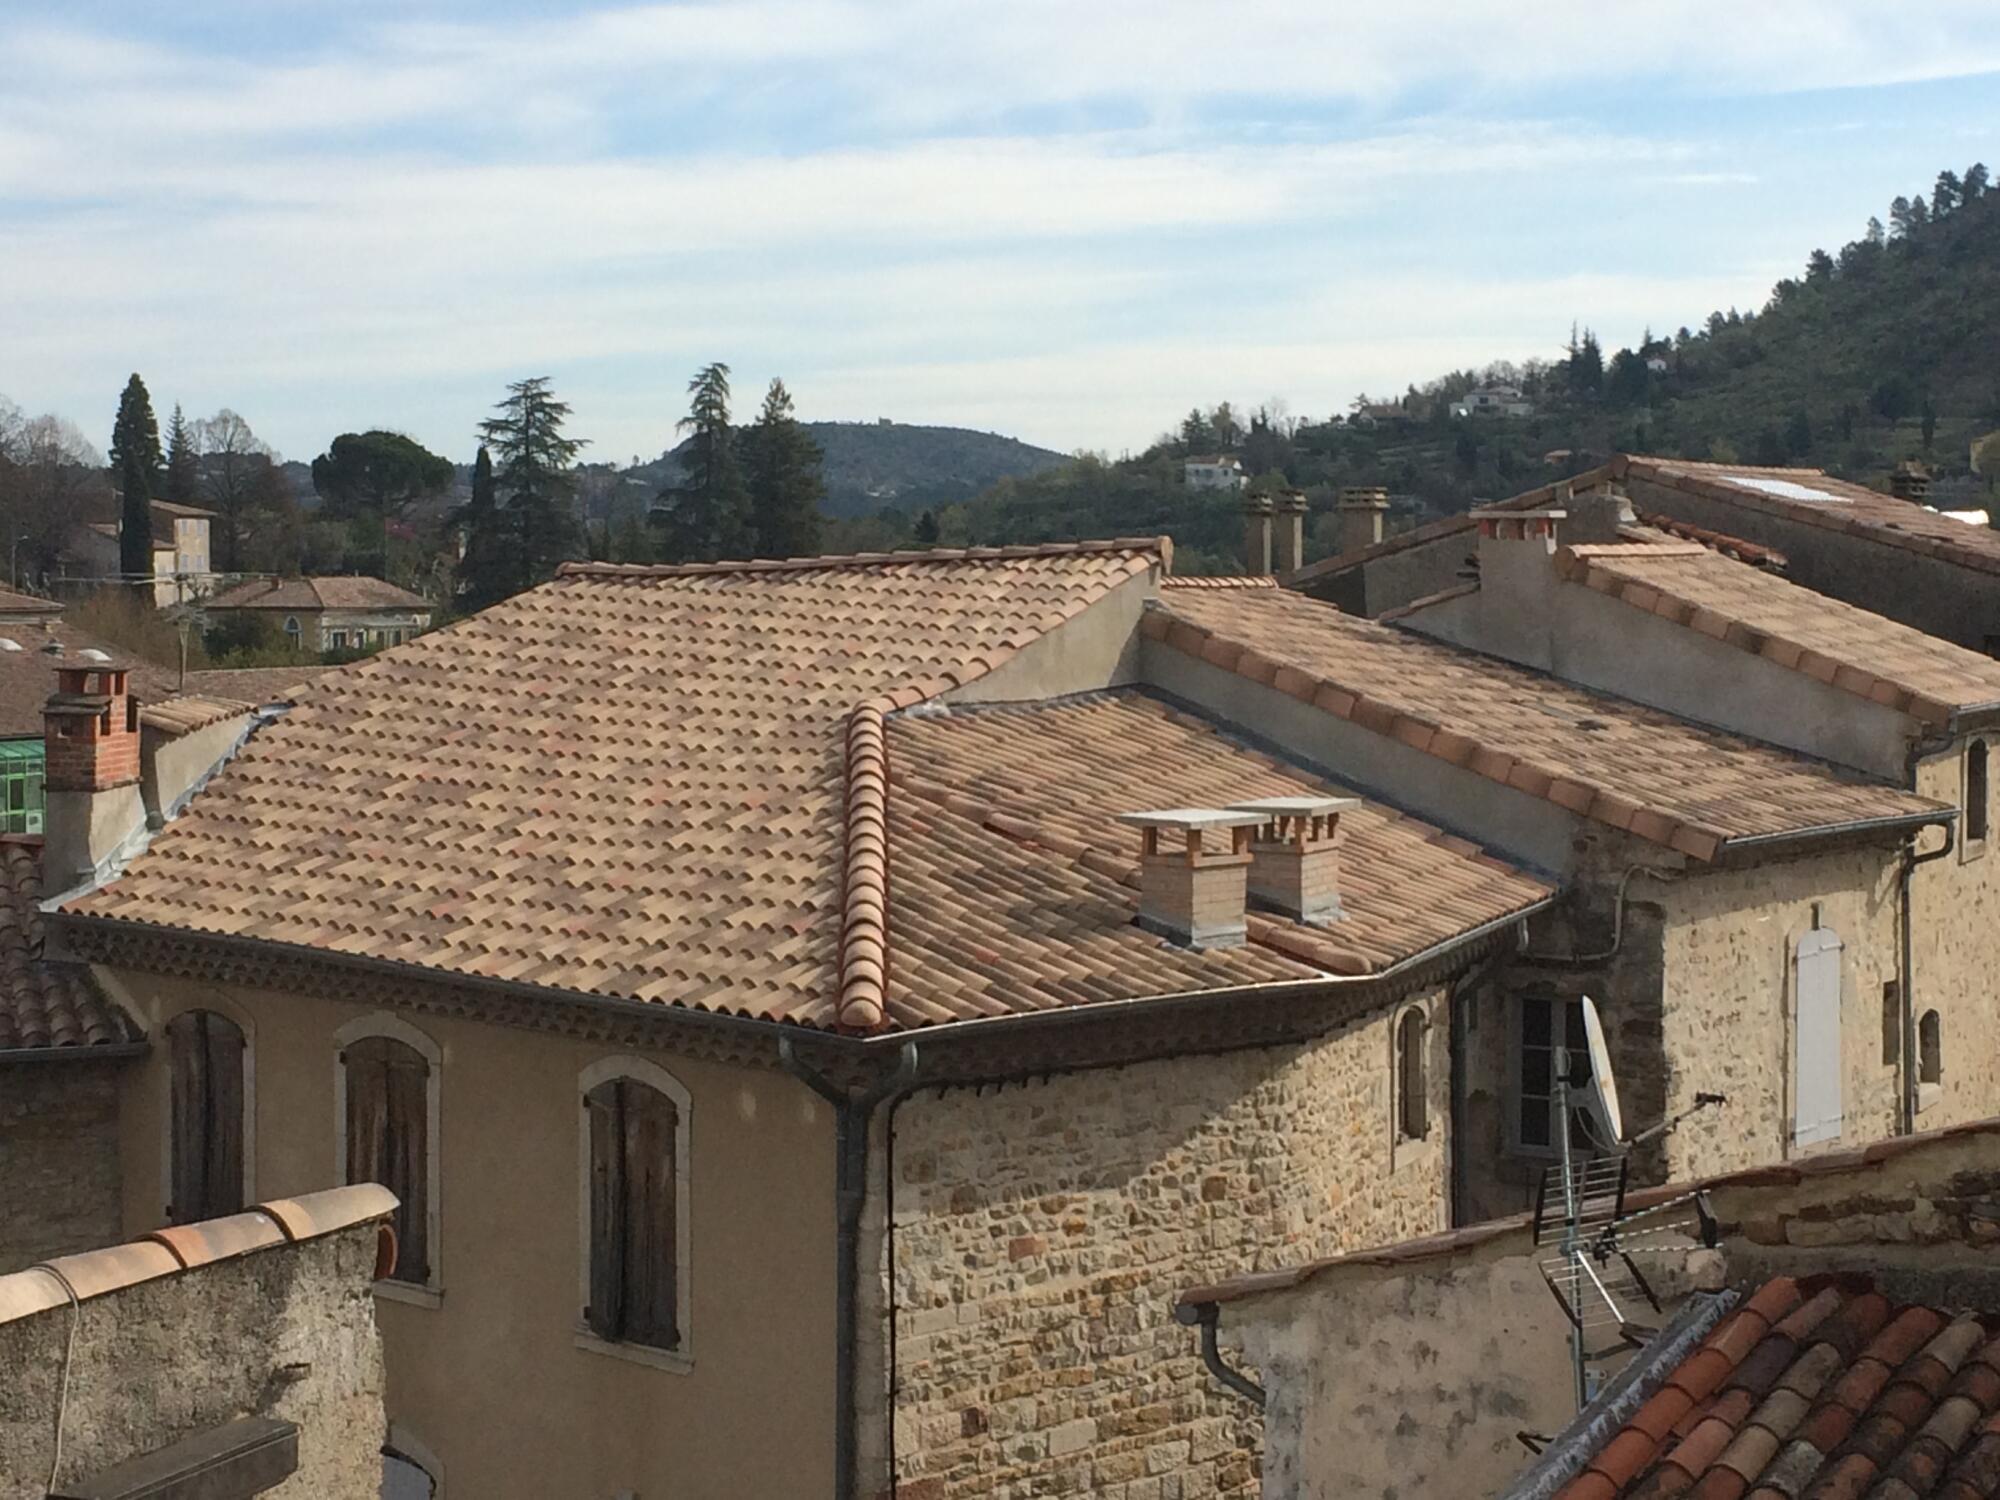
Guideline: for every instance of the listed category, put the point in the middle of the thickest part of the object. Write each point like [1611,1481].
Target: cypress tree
[135,461]
[785,484]
[485,571]
[534,491]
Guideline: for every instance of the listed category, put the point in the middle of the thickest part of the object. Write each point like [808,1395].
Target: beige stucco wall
[59,1166]
[173,766]
[287,1332]
[1041,1232]
[491,1378]
[1096,649]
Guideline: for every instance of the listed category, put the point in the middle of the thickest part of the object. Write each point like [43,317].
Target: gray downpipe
[1911,859]
[851,1115]
[1208,1317]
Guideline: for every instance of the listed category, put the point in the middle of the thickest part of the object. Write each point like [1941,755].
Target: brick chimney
[1257,514]
[1289,549]
[1188,893]
[1910,481]
[1361,511]
[1295,855]
[91,779]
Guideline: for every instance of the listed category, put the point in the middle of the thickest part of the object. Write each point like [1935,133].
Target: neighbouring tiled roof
[44,1003]
[1014,888]
[1854,509]
[1865,654]
[1719,541]
[1221,581]
[258,685]
[668,784]
[1431,531]
[28,676]
[333,592]
[186,714]
[1818,1387]
[12,603]
[1669,781]
[182,1247]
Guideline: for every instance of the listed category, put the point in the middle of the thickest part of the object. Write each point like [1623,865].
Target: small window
[636,1216]
[1930,1049]
[339,640]
[1975,792]
[1412,1123]
[206,1057]
[389,1139]
[1547,1024]
[292,630]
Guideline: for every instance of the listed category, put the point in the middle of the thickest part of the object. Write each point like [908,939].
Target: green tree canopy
[376,476]
[785,486]
[532,523]
[707,515]
[135,463]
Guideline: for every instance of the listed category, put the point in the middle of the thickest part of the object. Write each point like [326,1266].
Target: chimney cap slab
[1296,807]
[1191,817]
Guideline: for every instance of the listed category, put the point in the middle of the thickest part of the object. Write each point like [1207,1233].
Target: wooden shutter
[650,1217]
[205,1058]
[606,1312]
[1410,1083]
[1816,1064]
[388,1139]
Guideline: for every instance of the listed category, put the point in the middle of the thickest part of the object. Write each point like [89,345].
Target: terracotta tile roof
[44,1003]
[1848,507]
[257,685]
[1865,654]
[1220,581]
[1718,541]
[28,676]
[1674,783]
[1817,1387]
[12,603]
[656,784]
[186,714]
[1014,888]
[334,592]
[1432,531]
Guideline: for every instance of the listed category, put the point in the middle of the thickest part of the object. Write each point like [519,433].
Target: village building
[182,571]
[1015,935]
[330,613]
[224,1359]
[1493,401]
[1892,556]
[1827,1332]
[1213,471]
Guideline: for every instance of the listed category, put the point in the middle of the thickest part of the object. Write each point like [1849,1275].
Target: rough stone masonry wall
[1955,951]
[287,1332]
[1042,1232]
[59,1175]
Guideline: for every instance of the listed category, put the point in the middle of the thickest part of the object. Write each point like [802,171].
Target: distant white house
[1213,471]
[1494,401]
[1657,363]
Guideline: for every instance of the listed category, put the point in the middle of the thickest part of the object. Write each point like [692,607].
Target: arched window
[293,634]
[1975,792]
[635,1206]
[389,1132]
[1412,1121]
[1930,1048]
[208,1109]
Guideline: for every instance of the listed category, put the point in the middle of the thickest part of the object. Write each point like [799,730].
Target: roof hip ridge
[832,561]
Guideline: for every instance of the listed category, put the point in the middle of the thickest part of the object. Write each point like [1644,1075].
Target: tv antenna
[1590,1254]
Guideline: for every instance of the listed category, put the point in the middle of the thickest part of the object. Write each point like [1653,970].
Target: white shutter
[1816,1069]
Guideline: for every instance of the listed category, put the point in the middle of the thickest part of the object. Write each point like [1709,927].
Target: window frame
[1400,1046]
[678,1360]
[163,1046]
[430,1291]
[1516,1045]
[1972,846]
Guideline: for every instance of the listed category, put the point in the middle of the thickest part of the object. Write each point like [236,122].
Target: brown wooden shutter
[205,1059]
[606,1312]
[388,1139]
[650,1259]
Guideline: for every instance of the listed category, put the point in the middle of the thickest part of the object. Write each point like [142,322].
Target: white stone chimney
[1289,549]
[1361,512]
[1188,893]
[1295,855]
[1257,519]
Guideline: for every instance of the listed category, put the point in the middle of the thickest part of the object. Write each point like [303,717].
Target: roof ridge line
[862,965]
[1585,799]
[833,561]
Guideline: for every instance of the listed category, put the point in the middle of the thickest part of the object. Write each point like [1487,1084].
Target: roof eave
[1791,838]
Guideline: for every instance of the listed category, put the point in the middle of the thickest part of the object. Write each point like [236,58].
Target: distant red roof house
[331,613]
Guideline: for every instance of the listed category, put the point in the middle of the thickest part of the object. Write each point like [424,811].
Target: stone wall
[1040,1233]
[59,1170]
[287,1332]
[1955,951]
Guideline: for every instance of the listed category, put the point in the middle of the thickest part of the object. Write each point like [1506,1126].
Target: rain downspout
[851,1115]
[1208,1316]
[1907,1021]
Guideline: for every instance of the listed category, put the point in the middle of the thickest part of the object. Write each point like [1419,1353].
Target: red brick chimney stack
[92,729]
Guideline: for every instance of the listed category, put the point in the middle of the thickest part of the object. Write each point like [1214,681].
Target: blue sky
[1065,222]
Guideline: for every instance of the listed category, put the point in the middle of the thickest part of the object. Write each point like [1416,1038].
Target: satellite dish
[1600,1094]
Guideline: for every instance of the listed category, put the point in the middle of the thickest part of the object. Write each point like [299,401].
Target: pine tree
[926,531]
[183,471]
[135,462]
[707,516]
[784,480]
[533,516]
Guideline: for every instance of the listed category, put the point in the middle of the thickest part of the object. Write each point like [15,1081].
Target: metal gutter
[1894,823]
[79,1053]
